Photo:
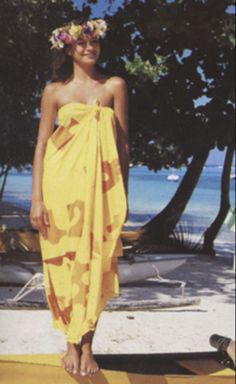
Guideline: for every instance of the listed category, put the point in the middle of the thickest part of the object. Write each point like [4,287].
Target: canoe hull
[140,268]
[148,266]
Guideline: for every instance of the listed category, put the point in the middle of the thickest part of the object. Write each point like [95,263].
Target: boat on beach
[147,266]
[21,263]
[20,256]
[16,268]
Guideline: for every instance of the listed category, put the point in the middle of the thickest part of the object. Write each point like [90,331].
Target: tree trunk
[159,228]
[5,174]
[212,231]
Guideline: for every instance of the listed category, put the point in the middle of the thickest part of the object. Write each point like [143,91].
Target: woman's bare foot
[71,359]
[88,365]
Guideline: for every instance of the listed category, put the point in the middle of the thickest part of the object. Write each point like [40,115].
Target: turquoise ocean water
[149,192]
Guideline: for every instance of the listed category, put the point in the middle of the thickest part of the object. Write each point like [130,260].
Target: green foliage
[170,54]
[25,26]
[145,70]
[195,40]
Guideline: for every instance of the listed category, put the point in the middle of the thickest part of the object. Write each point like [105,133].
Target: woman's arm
[121,111]
[38,214]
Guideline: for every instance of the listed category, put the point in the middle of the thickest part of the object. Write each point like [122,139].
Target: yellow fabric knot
[97,109]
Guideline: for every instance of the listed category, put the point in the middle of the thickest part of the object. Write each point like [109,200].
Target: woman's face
[85,50]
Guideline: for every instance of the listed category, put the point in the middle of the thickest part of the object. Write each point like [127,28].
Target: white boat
[134,269]
[147,266]
[18,274]
[173,177]
[233,176]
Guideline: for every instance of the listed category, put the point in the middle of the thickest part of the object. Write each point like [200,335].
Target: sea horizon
[149,191]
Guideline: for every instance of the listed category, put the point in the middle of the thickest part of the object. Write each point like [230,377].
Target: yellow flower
[75,31]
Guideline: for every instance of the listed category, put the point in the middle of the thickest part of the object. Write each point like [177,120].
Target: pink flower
[65,37]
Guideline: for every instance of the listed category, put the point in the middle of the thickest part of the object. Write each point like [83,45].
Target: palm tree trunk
[212,231]
[161,226]
[4,175]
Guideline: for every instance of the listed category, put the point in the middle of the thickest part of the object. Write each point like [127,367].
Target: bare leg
[231,350]
[88,365]
[71,359]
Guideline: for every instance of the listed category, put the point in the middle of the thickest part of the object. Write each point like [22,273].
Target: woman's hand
[39,217]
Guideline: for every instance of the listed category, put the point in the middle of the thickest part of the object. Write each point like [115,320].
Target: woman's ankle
[86,342]
[73,346]
[86,348]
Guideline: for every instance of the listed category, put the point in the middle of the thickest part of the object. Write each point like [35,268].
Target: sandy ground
[179,329]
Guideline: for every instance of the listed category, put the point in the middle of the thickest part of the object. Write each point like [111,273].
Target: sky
[100,8]
[216,157]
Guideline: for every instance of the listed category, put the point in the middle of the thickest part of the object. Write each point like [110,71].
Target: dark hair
[61,66]
[61,62]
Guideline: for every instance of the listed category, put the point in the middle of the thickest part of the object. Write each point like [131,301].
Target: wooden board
[201,367]
[46,369]
[11,373]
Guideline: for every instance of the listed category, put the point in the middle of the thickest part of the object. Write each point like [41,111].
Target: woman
[80,187]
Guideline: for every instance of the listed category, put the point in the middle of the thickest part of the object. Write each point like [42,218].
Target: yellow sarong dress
[84,194]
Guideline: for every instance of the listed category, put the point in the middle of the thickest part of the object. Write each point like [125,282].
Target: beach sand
[180,329]
[174,329]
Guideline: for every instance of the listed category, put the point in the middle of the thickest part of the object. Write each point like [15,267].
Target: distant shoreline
[219,166]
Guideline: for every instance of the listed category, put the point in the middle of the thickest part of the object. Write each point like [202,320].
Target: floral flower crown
[70,33]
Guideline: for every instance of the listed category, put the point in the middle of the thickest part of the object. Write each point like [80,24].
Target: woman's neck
[84,74]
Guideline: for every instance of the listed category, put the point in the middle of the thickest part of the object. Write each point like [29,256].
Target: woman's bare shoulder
[117,81]
[53,87]
[117,85]
[50,92]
